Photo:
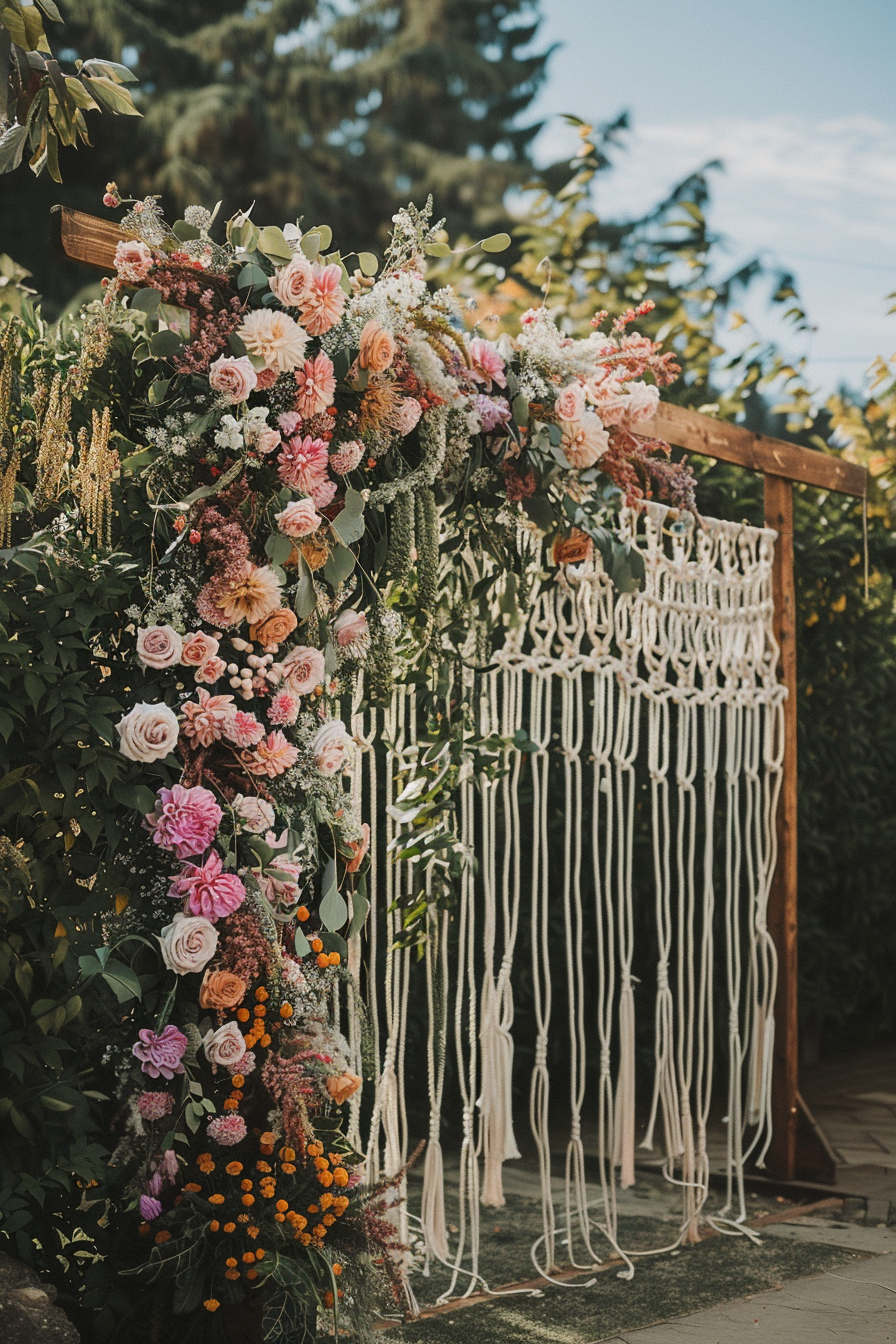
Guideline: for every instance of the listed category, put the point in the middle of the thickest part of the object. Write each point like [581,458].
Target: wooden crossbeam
[798,1149]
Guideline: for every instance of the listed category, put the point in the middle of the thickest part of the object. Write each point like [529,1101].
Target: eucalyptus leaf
[498,242]
[368,263]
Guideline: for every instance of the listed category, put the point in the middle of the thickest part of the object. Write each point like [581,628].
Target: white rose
[224,1046]
[159,646]
[188,943]
[256,814]
[147,732]
[330,744]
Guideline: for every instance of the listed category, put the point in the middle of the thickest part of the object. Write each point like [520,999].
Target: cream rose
[331,742]
[197,649]
[236,378]
[570,403]
[147,732]
[224,1046]
[298,519]
[188,943]
[158,646]
[349,627]
[256,814]
[377,348]
[303,669]
[292,283]
[584,441]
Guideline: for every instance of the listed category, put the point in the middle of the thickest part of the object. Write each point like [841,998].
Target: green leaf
[187,233]
[306,598]
[54,1104]
[302,945]
[237,345]
[339,565]
[278,548]
[112,69]
[165,343]
[49,8]
[122,981]
[113,97]
[437,250]
[14,24]
[520,410]
[333,910]
[498,242]
[349,523]
[272,242]
[311,245]
[146,301]
[368,263]
[360,907]
[77,91]
[539,510]
[251,277]
[12,147]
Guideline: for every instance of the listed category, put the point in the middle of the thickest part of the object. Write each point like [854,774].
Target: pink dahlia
[227,1130]
[155,1105]
[302,462]
[161,1056]
[316,382]
[243,729]
[271,757]
[325,300]
[210,891]
[322,492]
[204,718]
[284,709]
[184,820]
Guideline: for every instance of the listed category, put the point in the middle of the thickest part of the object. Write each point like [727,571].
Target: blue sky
[797,99]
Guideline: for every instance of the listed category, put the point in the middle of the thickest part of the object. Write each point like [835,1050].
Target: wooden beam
[732,443]
[86,238]
[782,904]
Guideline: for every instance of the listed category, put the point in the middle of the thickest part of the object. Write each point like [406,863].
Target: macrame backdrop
[662,701]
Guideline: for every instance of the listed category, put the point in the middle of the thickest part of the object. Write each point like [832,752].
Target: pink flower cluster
[227,1130]
[155,1105]
[209,890]
[184,820]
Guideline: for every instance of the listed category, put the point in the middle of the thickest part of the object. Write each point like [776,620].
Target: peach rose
[377,348]
[158,646]
[147,732]
[292,283]
[197,649]
[342,1086]
[570,403]
[572,550]
[221,989]
[584,441]
[298,519]
[236,378]
[274,628]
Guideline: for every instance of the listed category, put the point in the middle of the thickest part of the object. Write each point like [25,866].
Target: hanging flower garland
[304,425]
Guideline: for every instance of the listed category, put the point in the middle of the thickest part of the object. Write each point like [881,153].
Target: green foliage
[45,107]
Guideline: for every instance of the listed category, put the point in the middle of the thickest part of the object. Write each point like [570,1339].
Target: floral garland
[303,426]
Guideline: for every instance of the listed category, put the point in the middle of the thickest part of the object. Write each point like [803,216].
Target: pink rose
[570,403]
[197,649]
[210,891]
[236,378]
[133,261]
[161,1056]
[322,491]
[292,283]
[256,814]
[147,732]
[225,1046]
[158,646]
[281,883]
[184,820]
[331,742]
[303,669]
[298,519]
[349,627]
[210,671]
[188,943]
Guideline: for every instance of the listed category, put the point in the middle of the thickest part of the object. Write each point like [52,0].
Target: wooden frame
[799,1149]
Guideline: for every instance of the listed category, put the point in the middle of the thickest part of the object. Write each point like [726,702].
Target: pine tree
[338,116]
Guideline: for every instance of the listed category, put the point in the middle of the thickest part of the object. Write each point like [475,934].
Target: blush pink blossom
[487,364]
[349,627]
[234,378]
[243,729]
[322,492]
[408,415]
[184,821]
[570,403]
[281,887]
[316,383]
[208,889]
[298,519]
[289,422]
[330,745]
[197,649]
[210,671]
[204,718]
[158,646]
[271,757]
[303,669]
[284,709]
[302,462]
[346,457]
[133,261]
[325,301]
[155,1105]
[227,1130]
[161,1056]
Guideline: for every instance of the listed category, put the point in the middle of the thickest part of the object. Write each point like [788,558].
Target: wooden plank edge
[759,452]
[87,238]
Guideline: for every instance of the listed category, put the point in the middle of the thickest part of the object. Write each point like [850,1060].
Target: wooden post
[782,905]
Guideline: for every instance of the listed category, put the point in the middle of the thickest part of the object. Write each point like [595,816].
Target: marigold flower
[211,1304]
[252,1232]
[243,1015]
[162,1237]
[260,1253]
[216,1199]
[288,1169]
[325,1177]
[246,1185]
[288,1154]
[231,1274]
[270,1139]
[230,1227]
[281,1206]
[248,1200]
[248,1257]
[251,1273]
[340,1176]
[193,1186]
[214,1226]
[262,1166]
[231,1262]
